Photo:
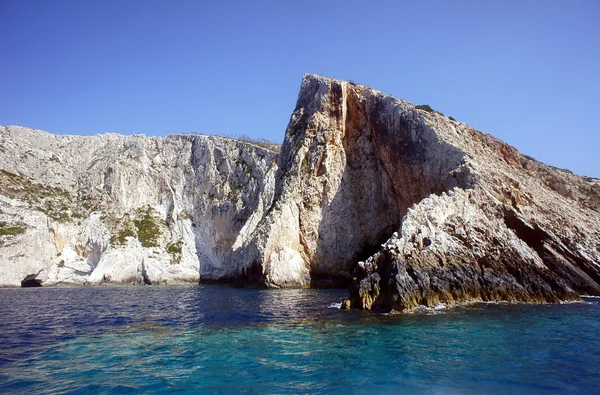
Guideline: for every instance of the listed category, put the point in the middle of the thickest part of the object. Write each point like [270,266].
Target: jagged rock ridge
[407,206]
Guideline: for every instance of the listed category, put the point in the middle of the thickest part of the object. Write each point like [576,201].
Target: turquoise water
[212,339]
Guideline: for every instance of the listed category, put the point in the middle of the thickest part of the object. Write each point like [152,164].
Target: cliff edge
[413,208]
[405,206]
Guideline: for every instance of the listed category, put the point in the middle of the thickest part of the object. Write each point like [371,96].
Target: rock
[404,205]
[475,219]
[352,162]
[105,209]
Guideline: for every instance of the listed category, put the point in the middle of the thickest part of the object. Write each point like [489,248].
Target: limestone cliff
[403,204]
[421,209]
[126,209]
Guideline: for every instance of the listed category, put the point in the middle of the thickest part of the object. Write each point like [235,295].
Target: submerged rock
[406,206]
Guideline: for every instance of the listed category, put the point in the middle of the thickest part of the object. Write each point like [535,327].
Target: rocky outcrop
[126,209]
[404,205]
[352,162]
[414,208]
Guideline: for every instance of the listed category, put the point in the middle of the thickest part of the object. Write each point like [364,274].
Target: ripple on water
[219,339]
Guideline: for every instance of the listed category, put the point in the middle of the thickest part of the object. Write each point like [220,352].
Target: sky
[524,71]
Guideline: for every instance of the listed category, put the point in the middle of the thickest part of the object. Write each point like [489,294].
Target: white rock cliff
[126,209]
[405,205]
[414,208]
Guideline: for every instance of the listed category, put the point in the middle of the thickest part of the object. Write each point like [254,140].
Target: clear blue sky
[524,71]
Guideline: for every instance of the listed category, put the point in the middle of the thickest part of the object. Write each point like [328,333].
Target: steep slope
[406,206]
[126,209]
[474,219]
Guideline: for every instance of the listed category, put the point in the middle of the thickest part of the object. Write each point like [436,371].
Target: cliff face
[406,206]
[126,209]
[470,218]
[351,165]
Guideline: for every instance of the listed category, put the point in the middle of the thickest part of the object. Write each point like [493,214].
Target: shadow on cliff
[392,161]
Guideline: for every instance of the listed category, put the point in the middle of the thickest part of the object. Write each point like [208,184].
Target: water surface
[214,339]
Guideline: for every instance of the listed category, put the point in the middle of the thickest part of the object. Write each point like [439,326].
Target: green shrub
[148,230]
[11,230]
[427,107]
[175,250]
[61,263]
[121,237]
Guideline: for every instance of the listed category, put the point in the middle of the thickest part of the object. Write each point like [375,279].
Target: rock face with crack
[406,206]
[414,208]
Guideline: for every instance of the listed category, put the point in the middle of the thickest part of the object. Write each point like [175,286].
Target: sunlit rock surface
[114,209]
[414,208]
[404,205]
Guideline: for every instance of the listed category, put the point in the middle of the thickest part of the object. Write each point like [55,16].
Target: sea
[223,340]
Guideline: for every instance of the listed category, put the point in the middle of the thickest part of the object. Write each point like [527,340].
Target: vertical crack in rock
[353,161]
[357,165]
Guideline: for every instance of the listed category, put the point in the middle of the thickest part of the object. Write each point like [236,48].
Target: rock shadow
[392,160]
